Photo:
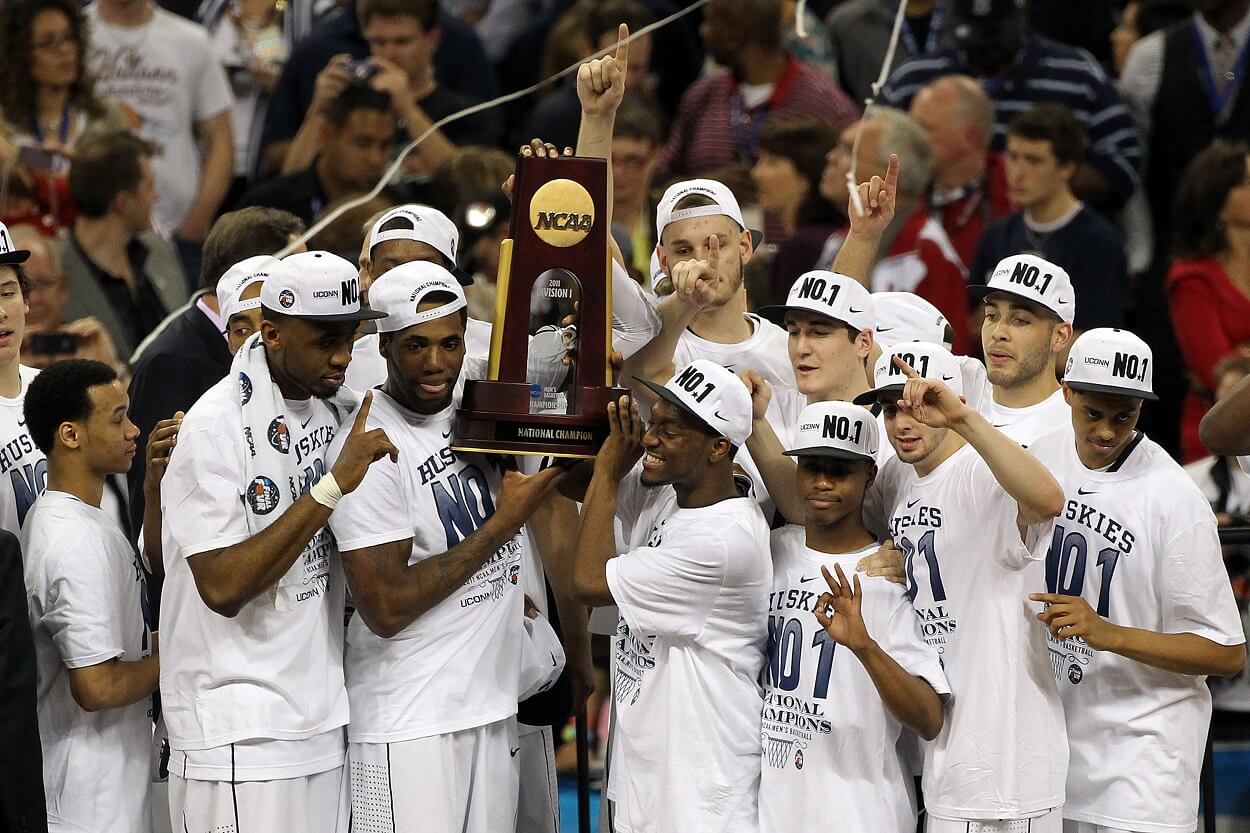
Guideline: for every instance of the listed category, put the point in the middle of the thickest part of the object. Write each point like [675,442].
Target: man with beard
[253,690]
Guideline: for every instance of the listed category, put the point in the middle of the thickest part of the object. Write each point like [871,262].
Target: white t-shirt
[87,599]
[829,740]
[23,467]
[455,667]
[167,73]
[1024,425]
[264,675]
[764,351]
[687,657]
[1138,541]
[1002,752]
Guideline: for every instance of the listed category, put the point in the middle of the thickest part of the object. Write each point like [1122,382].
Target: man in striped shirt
[1020,69]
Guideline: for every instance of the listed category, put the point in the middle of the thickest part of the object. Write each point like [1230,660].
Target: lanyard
[63,131]
[747,124]
[930,44]
[1221,97]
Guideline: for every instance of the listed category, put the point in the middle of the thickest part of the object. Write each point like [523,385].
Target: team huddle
[840,557]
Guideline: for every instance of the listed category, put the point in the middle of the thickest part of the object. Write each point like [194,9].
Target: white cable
[468,111]
[852,175]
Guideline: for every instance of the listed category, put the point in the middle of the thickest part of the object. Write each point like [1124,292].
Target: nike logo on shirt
[912,503]
[806,579]
[447,433]
[512,752]
[1083,492]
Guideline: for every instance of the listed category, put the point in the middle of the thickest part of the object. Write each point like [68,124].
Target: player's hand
[521,494]
[846,624]
[601,82]
[543,150]
[362,449]
[694,281]
[930,401]
[330,83]
[761,393]
[623,447]
[888,563]
[878,196]
[161,444]
[1069,616]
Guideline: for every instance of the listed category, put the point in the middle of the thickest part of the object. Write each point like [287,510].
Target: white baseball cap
[1105,360]
[401,291]
[905,316]
[713,394]
[10,255]
[829,294]
[238,278]
[836,429]
[423,225]
[1033,279]
[931,361]
[317,286]
[723,202]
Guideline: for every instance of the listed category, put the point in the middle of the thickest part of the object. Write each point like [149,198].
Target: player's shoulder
[788,538]
[219,408]
[1171,485]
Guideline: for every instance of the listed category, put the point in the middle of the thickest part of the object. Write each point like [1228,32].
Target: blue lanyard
[1222,99]
[64,129]
[930,45]
[753,123]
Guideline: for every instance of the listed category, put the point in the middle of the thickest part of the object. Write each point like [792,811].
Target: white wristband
[326,491]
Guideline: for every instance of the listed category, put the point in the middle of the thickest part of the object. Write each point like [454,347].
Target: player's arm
[115,683]
[766,450]
[1180,653]
[230,577]
[858,251]
[911,699]
[1037,494]
[1223,429]
[600,90]
[390,594]
[596,543]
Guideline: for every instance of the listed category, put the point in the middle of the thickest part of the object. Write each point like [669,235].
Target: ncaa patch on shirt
[245,389]
[279,435]
[262,495]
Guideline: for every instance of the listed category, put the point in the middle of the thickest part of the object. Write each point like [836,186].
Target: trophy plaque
[554,265]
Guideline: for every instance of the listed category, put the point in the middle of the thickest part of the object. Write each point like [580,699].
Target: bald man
[969,179]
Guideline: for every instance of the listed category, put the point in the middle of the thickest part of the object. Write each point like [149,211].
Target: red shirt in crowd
[1211,317]
[966,212]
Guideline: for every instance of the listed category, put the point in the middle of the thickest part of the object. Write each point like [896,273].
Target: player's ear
[872,476]
[1061,337]
[1067,393]
[746,246]
[384,345]
[719,450]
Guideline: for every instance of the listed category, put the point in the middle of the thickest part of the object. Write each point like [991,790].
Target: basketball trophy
[554,265]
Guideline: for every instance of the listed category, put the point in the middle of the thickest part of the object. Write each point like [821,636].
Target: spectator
[49,99]
[119,270]
[812,47]
[402,36]
[1045,146]
[969,180]
[1020,68]
[163,68]
[1208,287]
[470,172]
[722,114]
[252,44]
[557,117]
[1139,19]
[915,254]
[188,354]
[45,316]
[355,144]
[636,142]
[787,176]
[460,65]
[860,33]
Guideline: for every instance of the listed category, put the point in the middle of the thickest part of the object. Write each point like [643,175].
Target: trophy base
[494,418]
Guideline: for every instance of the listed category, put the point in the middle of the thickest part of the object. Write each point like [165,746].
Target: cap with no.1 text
[1106,360]
[401,292]
[836,429]
[316,286]
[829,294]
[929,360]
[1033,279]
[713,394]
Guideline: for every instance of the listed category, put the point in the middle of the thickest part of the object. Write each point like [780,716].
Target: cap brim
[666,394]
[871,396]
[776,313]
[14,257]
[826,451]
[462,277]
[1091,387]
[757,238]
[363,314]
[979,291]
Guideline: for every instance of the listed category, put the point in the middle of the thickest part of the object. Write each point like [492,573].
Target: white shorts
[1070,826]
[463,782]
[1051,821]
[538,802]
[311,804]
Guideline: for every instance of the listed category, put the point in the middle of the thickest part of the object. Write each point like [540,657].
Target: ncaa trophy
[555,264]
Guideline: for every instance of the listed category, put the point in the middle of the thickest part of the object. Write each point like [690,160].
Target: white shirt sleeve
[992,501]
[80,611]
[1196,595]
[635,313]
[668,590]
[201,494]
[893,624]
[377,511]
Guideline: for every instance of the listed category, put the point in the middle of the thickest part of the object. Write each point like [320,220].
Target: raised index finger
[907,369]
[363,413]
[891,176]
[622,47]
[713,252]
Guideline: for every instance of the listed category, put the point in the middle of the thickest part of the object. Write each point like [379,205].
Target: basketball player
[238,298]
[1138,601]
[847,669]
[97,660]
[23,467]
[692,589]
[966,497]
[1029,309]
[431,550]
[253,688]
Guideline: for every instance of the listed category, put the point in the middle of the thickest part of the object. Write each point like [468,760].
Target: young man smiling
[1138,601]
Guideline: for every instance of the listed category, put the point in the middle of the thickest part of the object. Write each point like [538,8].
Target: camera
[361,71]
